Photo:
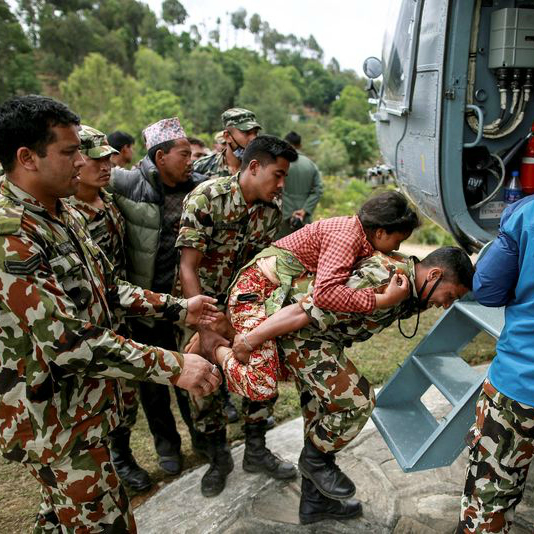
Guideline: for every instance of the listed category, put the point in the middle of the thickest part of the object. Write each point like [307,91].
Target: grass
[376,358]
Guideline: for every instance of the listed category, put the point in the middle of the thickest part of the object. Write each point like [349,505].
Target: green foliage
[173,12]
[429,233]
[359,140]
[153,71]
[270,93]
[352,104]
[17,74]
[342,196]
[331,156]
[205,90]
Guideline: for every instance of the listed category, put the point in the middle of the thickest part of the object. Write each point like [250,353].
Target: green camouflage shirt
[58,360]
[212,166]
[345,328]
[217,221]
[107,228]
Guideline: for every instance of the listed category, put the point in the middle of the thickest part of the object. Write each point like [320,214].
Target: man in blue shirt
[502,438]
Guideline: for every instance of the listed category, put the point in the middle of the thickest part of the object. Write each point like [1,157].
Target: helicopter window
[398,57]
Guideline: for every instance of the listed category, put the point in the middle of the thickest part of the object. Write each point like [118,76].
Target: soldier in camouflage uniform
[501,440]
[240,128]
[106,225]
[60,360]
[336,399]
[225,222]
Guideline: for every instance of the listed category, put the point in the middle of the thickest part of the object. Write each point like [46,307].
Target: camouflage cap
[94,143]
[219,137]
[239,118]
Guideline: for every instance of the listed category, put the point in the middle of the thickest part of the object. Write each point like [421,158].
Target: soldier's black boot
[124,463]
[259,459]
[221,465]
[314,506]
[321,469]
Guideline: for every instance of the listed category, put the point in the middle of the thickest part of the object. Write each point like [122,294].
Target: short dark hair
[165,146]
[456,265]
[293,138]
[196,141]
[26,121]
[266,148]
[119,139]
[390,211]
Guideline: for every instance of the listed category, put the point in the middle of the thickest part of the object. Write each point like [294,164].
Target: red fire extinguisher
[527,167]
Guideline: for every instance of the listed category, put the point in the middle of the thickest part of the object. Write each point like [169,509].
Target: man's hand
[240,349]
[299,213]
[198,376]
[209,341]
[397,291]
[201,310]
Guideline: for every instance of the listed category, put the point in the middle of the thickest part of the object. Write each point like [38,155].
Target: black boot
[259,459]
[124,463]
[314,506]
[221,465]
[321,469]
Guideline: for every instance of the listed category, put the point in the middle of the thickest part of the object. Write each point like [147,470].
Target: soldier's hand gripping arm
[190,259]
[288,319]
[37,310]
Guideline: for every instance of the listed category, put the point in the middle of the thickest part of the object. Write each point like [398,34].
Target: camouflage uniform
[59,361]
[215,165]
[501,446]
[336,399]
[107,228]
[217,222]
[212,166]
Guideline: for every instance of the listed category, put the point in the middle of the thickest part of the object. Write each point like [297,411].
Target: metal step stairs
[417,440]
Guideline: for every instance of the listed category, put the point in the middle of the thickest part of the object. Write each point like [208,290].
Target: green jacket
[140,197]
[303,188]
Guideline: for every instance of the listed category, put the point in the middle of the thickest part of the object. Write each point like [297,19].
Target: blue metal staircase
[417,440]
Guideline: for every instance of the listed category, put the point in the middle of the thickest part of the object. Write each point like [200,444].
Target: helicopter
[454,109]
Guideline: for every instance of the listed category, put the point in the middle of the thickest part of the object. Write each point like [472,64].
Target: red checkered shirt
[330,248]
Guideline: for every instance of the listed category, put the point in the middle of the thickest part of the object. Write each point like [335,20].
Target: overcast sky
[349,30]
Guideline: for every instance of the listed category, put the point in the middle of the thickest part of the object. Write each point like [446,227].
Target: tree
[359,140]
[238,19]
[173,12]
[254,24]
[154,72]
[269,92]
[100,93]
[352,104]
[17,74]
[205,89]
[331,156]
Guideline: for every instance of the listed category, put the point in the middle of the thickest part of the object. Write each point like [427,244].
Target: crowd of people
[202,271]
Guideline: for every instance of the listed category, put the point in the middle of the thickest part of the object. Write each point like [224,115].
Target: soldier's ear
[253,166]
[26,158]
[434,273]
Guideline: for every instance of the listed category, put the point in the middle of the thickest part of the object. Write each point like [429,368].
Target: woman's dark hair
[266,148]
[390,211]
[27,121]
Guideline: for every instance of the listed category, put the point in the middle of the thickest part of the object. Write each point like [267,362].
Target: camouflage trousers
[208,412]
[336,400]
[502,447]
[82,494]
[130,403]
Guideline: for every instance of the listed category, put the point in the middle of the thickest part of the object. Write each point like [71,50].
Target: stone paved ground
[394,502]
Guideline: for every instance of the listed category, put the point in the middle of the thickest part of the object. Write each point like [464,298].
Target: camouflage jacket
[217,221]
[212,166]
[107,228]
[346,328]
[58,359]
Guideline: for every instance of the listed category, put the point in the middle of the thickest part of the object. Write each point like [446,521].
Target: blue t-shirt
[505,276]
